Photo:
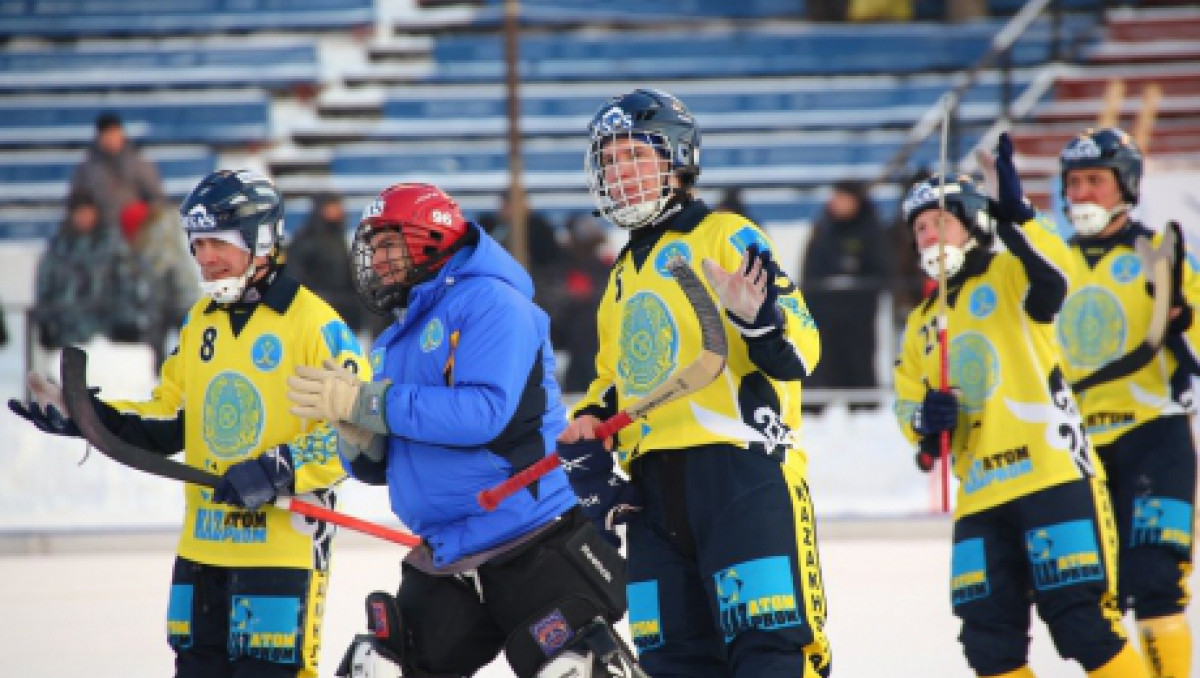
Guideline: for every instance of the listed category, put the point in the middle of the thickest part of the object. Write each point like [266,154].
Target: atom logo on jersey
[612,120]
[198,219]
[1081,148]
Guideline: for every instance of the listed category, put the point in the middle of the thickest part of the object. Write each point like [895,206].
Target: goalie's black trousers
[1152,478]
[724,574]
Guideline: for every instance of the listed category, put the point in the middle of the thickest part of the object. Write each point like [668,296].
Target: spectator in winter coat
[319,257]
[843,274]
[89,283]
[125,186]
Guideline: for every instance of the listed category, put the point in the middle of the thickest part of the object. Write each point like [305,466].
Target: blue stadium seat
[803,50]
[217,118]
[238,63]
[83,18]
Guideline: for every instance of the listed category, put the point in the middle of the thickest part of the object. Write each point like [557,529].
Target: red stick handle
[607,428]
[490,498]
[944,442]
[349,522]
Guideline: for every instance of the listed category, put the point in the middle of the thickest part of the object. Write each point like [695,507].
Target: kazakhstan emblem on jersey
[232,415]
[1091,328]
[433,335]
[649,343]
[669,252]
[974,368]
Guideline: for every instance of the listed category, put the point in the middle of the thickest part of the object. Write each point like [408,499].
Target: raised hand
[1011,205]
[748,294]
[46,409]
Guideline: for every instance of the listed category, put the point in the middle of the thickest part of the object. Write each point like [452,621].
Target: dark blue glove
[251,483]
[607,499]
[45,415]
[1011,205]
[939,412]
[769,316]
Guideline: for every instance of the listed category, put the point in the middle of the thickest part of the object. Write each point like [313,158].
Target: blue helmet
[242,201]
[1109,148]
[963,200]
[655,118]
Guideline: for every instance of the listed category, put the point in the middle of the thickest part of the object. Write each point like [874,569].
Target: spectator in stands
[587,266]
[319,257]
[89,283]
[843,273]
[175,279]
[545,252]
[124,186]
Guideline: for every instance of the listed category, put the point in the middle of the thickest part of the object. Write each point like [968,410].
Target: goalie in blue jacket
[464,398]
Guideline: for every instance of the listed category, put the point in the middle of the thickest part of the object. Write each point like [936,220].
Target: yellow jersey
[222,398]
[1019,428]
[1107,316]
[648,330]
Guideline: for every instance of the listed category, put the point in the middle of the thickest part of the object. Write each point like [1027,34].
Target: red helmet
[431,227]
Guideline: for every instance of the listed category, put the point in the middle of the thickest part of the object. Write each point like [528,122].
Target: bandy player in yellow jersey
[724,573]
[1033,518]
[248,589]
[1135,407]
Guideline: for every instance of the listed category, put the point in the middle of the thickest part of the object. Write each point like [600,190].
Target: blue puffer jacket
[474,326]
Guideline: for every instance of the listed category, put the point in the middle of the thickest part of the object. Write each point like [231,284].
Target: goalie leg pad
[367,658]
[569,638]
[380,653]
[596,652]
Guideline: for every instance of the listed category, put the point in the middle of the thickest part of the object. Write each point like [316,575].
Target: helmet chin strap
[1090,219]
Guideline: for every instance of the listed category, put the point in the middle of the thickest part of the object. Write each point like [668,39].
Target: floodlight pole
[518,232]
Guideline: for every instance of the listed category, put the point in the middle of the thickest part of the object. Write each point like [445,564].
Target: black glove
[251,483]
[938,412]
[46,410]
[607,499]
[769,316]
[1010,205]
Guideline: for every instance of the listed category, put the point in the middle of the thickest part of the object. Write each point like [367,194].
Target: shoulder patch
[339,338]
[746,236]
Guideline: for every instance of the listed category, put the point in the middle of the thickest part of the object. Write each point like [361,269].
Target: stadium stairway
[1141,46]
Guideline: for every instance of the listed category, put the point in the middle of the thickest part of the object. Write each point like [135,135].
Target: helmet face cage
[1108,148]
[624,191]
[241,201]
[629,177]
[376,292]
[429,227]
[963,200]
